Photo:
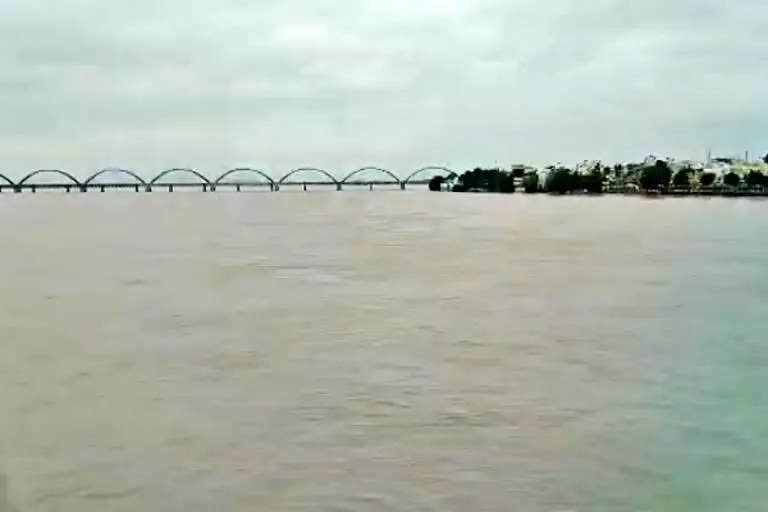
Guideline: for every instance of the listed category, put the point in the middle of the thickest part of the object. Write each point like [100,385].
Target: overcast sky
[397,83]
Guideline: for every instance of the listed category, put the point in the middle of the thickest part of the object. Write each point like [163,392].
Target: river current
[378,351]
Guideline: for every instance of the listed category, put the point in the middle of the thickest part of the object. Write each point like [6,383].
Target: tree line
[656,177]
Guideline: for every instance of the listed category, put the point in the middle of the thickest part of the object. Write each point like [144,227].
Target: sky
[153,84]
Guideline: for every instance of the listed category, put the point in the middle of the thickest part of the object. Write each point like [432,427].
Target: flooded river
[382,351]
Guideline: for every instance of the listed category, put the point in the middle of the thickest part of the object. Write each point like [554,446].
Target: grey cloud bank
[341,84]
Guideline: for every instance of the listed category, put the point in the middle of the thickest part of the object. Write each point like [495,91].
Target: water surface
[382,351]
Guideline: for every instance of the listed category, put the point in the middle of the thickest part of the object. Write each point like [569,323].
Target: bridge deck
[205,187]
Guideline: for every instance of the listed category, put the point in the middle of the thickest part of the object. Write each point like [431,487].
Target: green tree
[682,178]
[649,179]
[656,177]
[765,158]
[732,179]
[560,181]
[665,173]
[707,179]
[577,182]
[506,183]
[488,180]
[755,179]
[531,183]
[593,182]
[436,183]
[468,181]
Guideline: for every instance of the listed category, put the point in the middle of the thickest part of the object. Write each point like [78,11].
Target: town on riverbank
[715,176]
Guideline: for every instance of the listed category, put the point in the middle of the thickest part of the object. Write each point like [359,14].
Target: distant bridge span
[163,174]
[49,171]
[427,169]
[7,180]
[264,175]
[115,171]
[377,169]
[137,182]
[314,170]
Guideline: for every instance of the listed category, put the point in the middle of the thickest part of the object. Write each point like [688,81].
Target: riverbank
[657,179]
[684,193]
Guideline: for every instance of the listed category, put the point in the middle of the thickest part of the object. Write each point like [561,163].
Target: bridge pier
[370,187]
[402,185]
[213,187]
[238,187]
[277,187]
[338,186]
[102,188]
[170,188]
[17,190]
[205,187]
[34,189]
[136,188]
[69,190]
[148,189]
[83,189]
[304,186]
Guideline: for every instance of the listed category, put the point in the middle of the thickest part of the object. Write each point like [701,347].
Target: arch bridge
[369,176]
[437,169]
[6,181]
[387,177]
[225,181]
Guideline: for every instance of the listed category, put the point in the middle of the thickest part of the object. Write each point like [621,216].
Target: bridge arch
[245,169]
[7,180]
[377,169]
[119,171]
[49,171]
[309,169]
[429,168]
[184,171]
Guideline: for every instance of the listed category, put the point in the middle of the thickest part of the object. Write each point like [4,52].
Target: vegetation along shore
[718,176]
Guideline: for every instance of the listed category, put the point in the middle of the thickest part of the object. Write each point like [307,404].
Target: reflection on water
[386,351]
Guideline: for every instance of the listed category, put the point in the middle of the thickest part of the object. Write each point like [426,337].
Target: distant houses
[652,175]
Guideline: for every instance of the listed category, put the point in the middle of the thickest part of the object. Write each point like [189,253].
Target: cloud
[340,84]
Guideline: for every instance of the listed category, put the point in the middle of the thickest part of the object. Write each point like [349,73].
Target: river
[358,351]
